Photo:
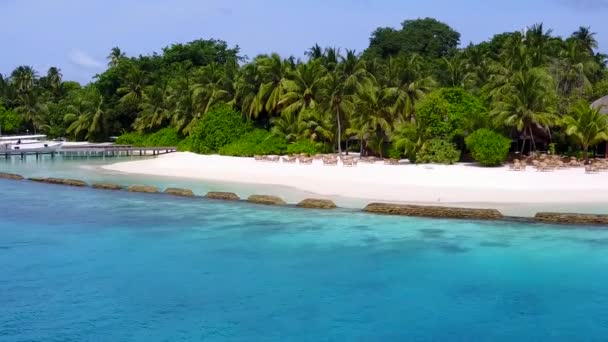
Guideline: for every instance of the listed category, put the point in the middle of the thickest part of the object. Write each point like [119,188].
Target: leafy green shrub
[449,112]
[306,147]
[393,152]
[255,142]
[163,138]
[9,120]
[131,138]
[219,127]
[185,145]
[438,151]
[488,148]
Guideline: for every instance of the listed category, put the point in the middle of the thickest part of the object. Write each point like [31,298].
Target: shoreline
[455,185]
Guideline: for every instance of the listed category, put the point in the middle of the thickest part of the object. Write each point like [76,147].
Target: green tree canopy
[427,37]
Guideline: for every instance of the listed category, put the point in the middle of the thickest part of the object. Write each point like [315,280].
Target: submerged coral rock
[314,203]
[433,211]
[266,199]
[143,188]
[13,176]
[107,186]
[179,192]
[226,196]
[568,218]
[59,181]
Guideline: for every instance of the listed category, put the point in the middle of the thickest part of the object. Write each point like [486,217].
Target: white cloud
[84,60]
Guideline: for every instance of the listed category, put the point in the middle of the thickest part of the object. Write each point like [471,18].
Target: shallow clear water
[80,264]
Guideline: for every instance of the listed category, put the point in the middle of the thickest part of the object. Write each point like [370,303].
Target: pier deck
[91,151]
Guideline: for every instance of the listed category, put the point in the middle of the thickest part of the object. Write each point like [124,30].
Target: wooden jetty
[90,150]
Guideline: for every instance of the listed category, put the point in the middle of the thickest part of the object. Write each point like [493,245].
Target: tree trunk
[586,154]
[523,144]
[339,132]
[361,148]
[532,138]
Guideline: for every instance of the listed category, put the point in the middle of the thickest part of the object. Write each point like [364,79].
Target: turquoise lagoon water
[85,265]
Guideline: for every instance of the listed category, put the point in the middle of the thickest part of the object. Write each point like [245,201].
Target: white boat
[28,143]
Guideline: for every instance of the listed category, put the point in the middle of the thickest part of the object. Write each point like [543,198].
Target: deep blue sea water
[86,265]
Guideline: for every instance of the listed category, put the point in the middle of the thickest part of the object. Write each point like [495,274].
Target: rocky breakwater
[60,181]
[224,196]
[107,186]
[143,188]
[179,192]
[569,218]
[313,203]
[266,200]
[13,176]
[433,211]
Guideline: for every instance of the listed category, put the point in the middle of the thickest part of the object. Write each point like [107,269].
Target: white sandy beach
[439,184]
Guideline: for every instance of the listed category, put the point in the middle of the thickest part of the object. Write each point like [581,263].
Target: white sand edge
[404,183]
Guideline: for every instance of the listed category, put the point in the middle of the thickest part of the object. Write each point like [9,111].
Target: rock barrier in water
[314,203]
[433,211]
[179,192]
[143,188]
[568,218]
[107,186]
[12,176]
[60,181]
[225,196]
[266,200]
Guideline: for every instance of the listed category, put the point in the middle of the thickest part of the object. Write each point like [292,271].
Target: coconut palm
[155,108]
[246,89]
[526,102]
[30,109]
[585,38]
[406,85]
[587,125]
[302,87]
[24,78]
[373,119]
[272,69]
[91,119]
[115,56]
[134,85]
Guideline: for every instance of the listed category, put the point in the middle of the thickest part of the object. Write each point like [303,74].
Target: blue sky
[76,35]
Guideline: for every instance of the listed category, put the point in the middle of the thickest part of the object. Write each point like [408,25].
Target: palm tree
[115,57]
[373,119]
[134,85]
[24,78]
[302,87]
[212,87]
[588,126]
[585,38]
[30,109]
[155,109]
[272,70]
[247,85]
[54,80]
[456,73]
[288,125]
[90,119]
[526,102]
[406,85]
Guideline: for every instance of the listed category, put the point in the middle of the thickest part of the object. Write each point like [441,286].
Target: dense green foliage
[9,120]
[411,85]
[219,127]
[586,125]
[449,112]
[488,148]
[256,142]
[163,138]
[306,147]
[438,151]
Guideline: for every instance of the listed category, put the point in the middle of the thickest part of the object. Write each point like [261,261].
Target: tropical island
[527,98]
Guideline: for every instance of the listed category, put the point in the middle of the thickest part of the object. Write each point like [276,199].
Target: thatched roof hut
[602,104]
